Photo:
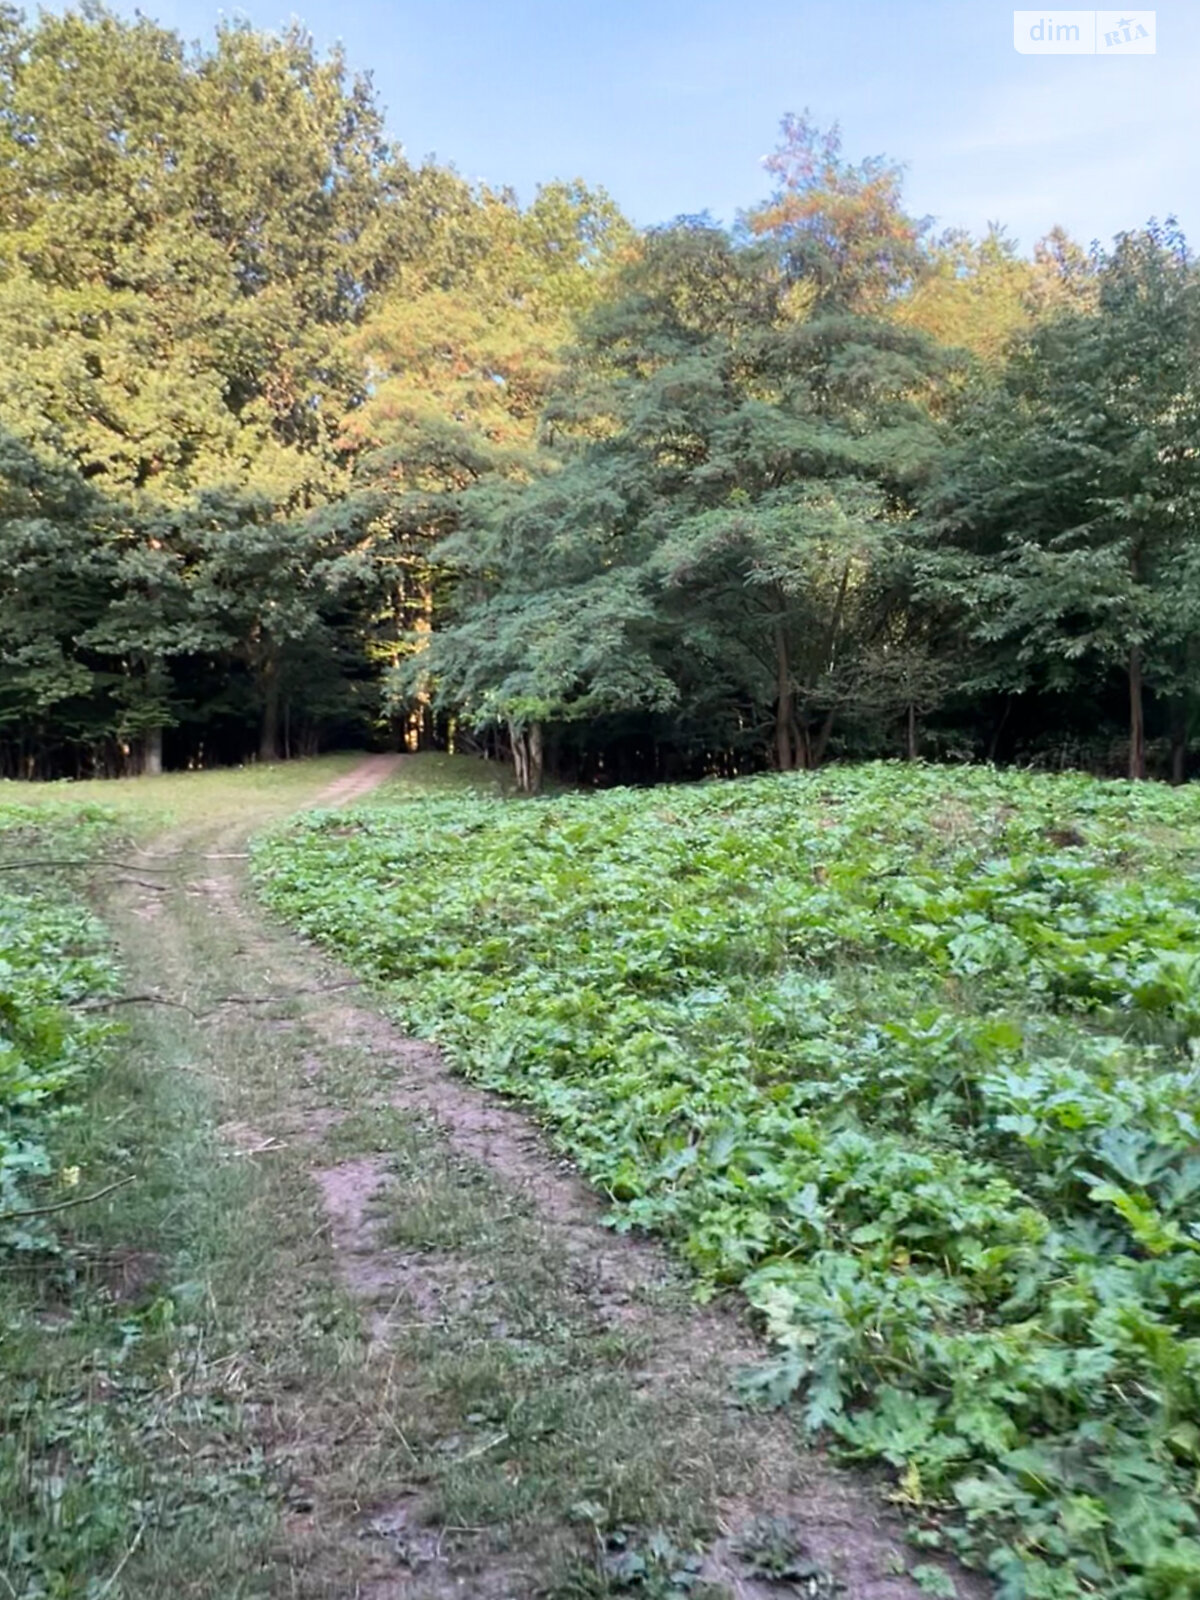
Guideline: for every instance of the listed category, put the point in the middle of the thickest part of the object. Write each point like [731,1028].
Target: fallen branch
[123,1563]
[145,865]
[261,1149]
[76,861]
[65,1205]
[135,1000]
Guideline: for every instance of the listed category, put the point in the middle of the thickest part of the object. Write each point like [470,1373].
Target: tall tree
[740,453]
[847,234]
[975,294]
[189,238]
[1064,531]
[462,351]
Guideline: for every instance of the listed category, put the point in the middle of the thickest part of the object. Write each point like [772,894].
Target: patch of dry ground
[356,784]
[465,1384]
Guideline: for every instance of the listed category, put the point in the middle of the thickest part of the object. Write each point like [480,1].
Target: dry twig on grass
[66,1205]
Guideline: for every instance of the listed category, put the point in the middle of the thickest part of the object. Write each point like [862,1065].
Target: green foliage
[653,1568]
[189,238]
[912,1060]
[1063,528]
[462,351]
[301,441]
[773,1549]
[721,538]
[52,956]
[89,1460]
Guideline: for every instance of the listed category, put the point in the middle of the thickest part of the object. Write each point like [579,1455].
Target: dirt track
[357,784]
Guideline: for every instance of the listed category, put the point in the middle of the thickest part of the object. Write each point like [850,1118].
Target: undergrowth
[53,955]
[911,1057]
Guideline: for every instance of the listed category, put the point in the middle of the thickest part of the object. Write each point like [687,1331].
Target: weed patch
[909,1057]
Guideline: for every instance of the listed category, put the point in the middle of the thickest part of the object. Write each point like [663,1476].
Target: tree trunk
[913,750]
[1137,716]
[537,756]
[268,743]
[994,741]
[528,754]
[152,752]
[1179,740]
[799,742]
[819,748]
[520,757]
[786,754]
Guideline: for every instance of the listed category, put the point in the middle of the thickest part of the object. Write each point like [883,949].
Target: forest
[781,1184]
[304,445]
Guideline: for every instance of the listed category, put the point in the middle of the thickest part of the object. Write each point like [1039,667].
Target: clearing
[356,1331]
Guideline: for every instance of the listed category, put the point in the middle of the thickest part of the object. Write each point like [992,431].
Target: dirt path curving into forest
[462,1382]
[356,784]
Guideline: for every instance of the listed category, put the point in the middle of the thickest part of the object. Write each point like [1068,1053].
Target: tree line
[303,443]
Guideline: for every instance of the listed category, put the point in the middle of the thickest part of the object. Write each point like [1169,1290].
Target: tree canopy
[301,442]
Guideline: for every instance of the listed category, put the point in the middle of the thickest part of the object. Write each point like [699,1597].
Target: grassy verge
[180,798]
[53,961]
[190,1403]
[133,1457]
[909,1056]
[434,773]
[105,1341]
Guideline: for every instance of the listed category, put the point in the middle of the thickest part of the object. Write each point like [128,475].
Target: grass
[177,798]
[910,1056]
[261,790]
[132,1454]
[531,1426]
[113,1359]
[433,772]
[131,1458]
[102,1308]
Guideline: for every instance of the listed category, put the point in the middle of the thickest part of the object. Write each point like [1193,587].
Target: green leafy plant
[52,956]
[773,1549]
[877,1047]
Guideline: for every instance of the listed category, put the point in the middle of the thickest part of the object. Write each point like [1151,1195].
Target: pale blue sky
[671,104]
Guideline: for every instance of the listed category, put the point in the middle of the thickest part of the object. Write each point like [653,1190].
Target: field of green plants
[53,954]
[909,1056]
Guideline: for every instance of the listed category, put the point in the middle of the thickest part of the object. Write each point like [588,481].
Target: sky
[672,104]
